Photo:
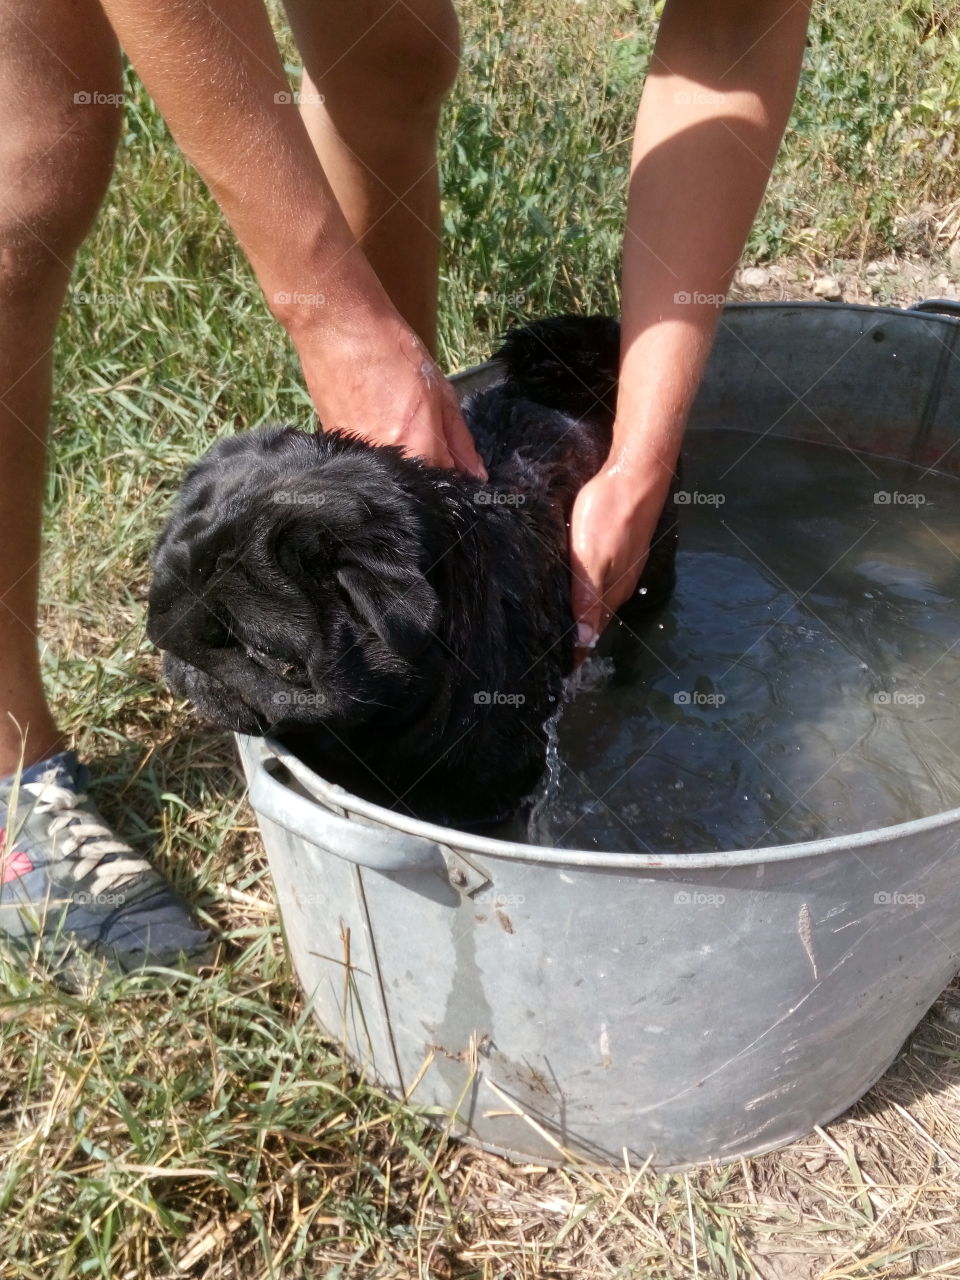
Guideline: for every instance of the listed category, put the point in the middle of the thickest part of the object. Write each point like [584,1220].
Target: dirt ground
[894,281]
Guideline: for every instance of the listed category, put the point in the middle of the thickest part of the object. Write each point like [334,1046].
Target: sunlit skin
[712,113]
[337,207]
[54,165]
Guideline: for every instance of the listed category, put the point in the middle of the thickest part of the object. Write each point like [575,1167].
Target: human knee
[54,170]
[404,67]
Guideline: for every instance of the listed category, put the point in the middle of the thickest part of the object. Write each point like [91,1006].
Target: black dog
[404,629]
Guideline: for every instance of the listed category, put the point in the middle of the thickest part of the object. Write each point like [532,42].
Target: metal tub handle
[938,307]
[356,842]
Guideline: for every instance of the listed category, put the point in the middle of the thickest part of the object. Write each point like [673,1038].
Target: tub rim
[343,803]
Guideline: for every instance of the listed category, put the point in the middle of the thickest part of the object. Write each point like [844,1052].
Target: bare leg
[55,160]
[383,71]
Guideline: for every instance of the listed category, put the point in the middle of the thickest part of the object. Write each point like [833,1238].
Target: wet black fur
[405,629]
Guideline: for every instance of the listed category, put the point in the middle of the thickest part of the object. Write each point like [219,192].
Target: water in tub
[803,682]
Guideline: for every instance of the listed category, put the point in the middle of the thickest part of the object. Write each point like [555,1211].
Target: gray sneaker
[74,895]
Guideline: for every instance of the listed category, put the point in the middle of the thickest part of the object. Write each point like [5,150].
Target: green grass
[205,1128]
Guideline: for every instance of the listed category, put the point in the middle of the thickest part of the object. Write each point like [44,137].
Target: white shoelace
[77,830]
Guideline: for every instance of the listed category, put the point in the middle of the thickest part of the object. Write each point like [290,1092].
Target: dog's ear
[400,606]
[365,540]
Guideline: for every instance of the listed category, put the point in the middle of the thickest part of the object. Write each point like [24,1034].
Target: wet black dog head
[302,598]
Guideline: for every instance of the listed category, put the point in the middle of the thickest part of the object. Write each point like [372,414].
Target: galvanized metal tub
[556,1002]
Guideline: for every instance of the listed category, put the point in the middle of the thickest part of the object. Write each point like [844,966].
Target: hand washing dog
[406,630]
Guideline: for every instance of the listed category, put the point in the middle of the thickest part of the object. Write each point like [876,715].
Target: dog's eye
[273,663]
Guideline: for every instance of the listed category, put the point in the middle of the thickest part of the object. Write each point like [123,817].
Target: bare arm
[712,113]
[215,72]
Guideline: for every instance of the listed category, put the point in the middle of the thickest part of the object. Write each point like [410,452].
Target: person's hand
[613,520]
[387,389]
